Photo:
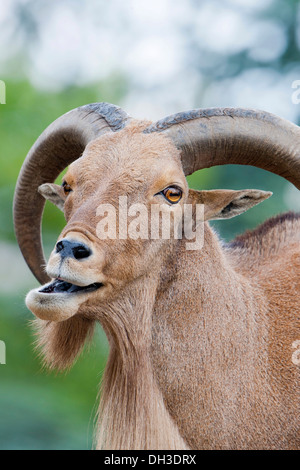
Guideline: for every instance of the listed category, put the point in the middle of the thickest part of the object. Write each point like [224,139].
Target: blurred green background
[152,61]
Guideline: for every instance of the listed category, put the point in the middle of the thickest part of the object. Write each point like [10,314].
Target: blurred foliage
[216,66]
[39,410]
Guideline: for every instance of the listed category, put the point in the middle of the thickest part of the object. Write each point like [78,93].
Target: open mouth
[59,286]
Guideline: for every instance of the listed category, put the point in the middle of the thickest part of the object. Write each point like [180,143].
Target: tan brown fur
[200,341]
[61,343]
[267,240]
[129,384]
[236,332]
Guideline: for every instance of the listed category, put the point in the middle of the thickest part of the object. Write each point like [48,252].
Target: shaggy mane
[269,237]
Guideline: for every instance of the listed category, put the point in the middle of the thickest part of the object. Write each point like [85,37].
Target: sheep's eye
[172,194]
[66,187]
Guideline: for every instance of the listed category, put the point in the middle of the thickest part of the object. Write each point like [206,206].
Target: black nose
[72,249]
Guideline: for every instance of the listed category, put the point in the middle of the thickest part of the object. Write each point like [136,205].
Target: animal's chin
[59,286]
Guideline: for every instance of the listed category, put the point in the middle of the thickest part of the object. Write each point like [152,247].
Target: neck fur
[162,334]
[132,413]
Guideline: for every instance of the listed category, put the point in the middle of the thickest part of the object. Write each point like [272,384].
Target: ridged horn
[221,136]
[59,145]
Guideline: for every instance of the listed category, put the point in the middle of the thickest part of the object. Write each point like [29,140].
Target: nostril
[81,251]
[59,246]
[70,249]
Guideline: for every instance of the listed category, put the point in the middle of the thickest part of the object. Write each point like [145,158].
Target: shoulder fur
[267,240]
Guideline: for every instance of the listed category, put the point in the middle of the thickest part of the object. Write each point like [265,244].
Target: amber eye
[66,187]
[172,194]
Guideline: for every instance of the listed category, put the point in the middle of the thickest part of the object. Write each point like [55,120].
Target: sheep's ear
[53,193]
[224,204]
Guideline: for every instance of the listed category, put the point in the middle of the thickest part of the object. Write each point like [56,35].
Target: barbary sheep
[201,340]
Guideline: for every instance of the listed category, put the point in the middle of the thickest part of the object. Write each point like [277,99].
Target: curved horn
[58,146]
[221,136]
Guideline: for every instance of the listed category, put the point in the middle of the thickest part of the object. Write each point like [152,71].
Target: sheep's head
[118,175]
[111,157]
